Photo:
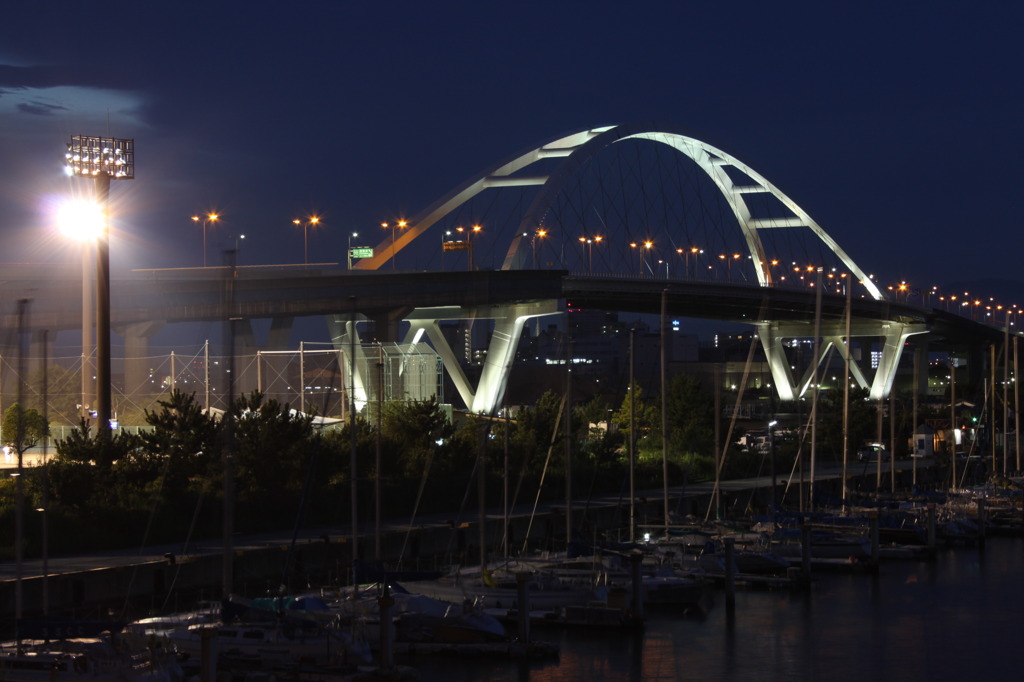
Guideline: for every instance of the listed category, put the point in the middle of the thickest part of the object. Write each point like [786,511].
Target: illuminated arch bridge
[611,190]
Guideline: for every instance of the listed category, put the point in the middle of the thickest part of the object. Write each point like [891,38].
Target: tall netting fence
[315,379]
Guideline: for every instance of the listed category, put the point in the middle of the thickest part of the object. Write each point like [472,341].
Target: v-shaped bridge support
[894,335]
[508,319]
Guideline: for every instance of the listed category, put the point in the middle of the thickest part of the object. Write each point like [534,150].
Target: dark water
[957,618]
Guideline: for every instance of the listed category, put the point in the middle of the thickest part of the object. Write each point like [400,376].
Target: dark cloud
[41,108]
[20,77]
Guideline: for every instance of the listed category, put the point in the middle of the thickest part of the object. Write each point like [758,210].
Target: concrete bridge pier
[137,361]
[344,332]
[509,320]
[894,335]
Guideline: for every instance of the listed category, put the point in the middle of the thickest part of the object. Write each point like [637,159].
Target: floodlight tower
[102,159]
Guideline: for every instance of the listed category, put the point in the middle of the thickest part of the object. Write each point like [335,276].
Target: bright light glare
[81,220]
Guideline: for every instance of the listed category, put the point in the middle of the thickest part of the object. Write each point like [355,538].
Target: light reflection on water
[959,617]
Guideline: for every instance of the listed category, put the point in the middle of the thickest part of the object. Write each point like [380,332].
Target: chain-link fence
[315,379]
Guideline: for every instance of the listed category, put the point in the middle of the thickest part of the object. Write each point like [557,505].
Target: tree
[413,428]
[647,419]
[23,428]
[690,416]
[183,446]
[272,447]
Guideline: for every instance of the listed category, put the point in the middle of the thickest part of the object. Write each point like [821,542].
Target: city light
[210,218]
[81,220]
[314,221]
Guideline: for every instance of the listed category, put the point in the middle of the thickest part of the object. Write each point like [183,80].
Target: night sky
[897,126]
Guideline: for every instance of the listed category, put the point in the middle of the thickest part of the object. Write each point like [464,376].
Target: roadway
[150,554]
[261,292]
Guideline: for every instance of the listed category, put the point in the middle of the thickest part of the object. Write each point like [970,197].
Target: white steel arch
[580,147]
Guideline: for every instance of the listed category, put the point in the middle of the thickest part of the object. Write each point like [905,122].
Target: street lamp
[539,234]
[210,218]
[728,263]
[102,159]
[588,243]
[476,230]
[400,225]
[445,238]
[640,251]
[314,221]
[350,235]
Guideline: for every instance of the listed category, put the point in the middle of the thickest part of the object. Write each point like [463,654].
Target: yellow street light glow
[81,220]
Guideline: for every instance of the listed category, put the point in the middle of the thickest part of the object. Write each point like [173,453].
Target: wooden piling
[932,529]
[730,574]
[387,634]
[635,560]
[805,550]
[875,535]
[523,595]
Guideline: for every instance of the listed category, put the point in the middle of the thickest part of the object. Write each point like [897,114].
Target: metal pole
[504,488]
[568,440]
[632,436]
[19,482]
[88,318]
[892,442]
[302,377]
[46,475]
[1006,388]
[952,416]
[353,472]
[206,373]
[103,406]
[992,411]
[814,378]
[376,477]
[913,414]
[1016,405]
[771,452]
[664,408]
[228,457]
[846,393]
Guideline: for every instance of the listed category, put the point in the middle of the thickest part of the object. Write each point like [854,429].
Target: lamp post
[399,225]
[771,457]
[476,230]
[647,245]
[314,221]
[210,218]
[350,235]
[445,238]
[102,159]
[588,243]
[539,234]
